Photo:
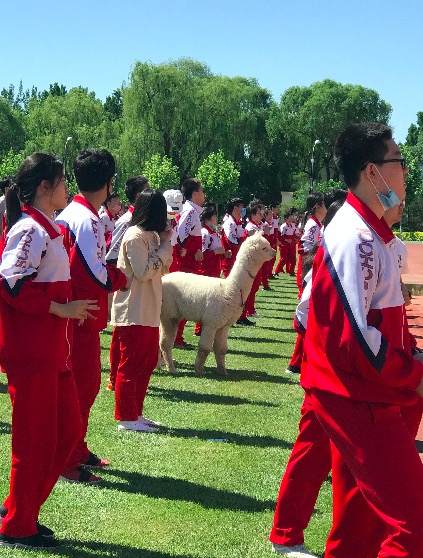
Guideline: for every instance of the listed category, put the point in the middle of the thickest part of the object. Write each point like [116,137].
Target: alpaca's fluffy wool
[216,303]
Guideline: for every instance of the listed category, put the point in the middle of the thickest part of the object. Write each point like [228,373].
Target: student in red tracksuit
[275,207]
[213,251]
[232,233]
[90,276]
[310,229]
[255,213]
[189,242]
[144,255]
[288,237]
[310,459]
[109,214]
[174,201]
[359,366]
[268,233]
[35,347]
[133,187]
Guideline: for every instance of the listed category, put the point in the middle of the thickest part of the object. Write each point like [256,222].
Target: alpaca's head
[254,251]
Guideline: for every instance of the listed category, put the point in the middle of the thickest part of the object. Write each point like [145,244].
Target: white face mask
[388,200]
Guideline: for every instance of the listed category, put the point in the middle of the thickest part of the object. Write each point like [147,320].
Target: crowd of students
[360,368]
[60,262]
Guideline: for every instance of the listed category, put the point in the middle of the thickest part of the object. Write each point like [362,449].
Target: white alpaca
[216,303]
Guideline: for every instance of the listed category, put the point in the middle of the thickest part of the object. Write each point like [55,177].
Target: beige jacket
[143,259]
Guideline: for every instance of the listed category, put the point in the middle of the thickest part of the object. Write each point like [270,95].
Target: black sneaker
[42,529]
[293,370]
[34,542]
[246,322]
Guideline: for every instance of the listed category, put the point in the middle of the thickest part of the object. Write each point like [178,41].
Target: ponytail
[13,206]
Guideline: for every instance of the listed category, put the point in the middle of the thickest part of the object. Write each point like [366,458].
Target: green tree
[12,134]
[161,173]
[113,105]
[10,163]
[321,111]
[219,177]
[181,110]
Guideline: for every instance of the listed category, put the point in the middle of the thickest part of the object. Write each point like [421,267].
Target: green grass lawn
[181,493]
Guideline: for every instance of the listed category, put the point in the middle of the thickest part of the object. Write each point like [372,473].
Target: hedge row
[416,236]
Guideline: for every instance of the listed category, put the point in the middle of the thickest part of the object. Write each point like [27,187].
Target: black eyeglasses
[401,160]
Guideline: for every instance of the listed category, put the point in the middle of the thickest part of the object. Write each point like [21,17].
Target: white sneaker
[149,422]
[297,551]
[135,426]
[255,315]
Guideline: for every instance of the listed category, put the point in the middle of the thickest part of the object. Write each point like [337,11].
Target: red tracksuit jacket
[211,264]
[91,277]
[189,236]
[34,271]
[357,341]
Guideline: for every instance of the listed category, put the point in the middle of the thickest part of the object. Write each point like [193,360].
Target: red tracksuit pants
[266,272]
[283,258]
[250,303]
[297,355]
[226,273]
[86,369]
[308,466]
[139,347]
[45,428]
[377,479]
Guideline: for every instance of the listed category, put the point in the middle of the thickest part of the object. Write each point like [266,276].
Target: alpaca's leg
[221,348]
[205,345]
[168,330]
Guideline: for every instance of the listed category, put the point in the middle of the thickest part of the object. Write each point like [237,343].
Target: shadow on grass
[234,375]
[3,388]
[5,428]
[185,491]
[254,376]
[106,332]
[194,397]
[88,549]
[271,328]
[259,340]
[254,353]
[231,437]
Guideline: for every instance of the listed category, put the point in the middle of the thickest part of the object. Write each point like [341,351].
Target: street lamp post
[312,164]
[68,139]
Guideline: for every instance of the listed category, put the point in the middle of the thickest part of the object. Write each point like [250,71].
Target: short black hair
[112,196]
[334,194]
[313,200]
[208,213]
[150,211]
[93,169]
[233,203]
[134,186]
[358,145]
[190,186]
[291,211]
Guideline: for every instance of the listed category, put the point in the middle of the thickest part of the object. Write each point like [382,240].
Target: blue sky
[93,43]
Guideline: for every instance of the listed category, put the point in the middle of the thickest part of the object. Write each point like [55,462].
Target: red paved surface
[415,311]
